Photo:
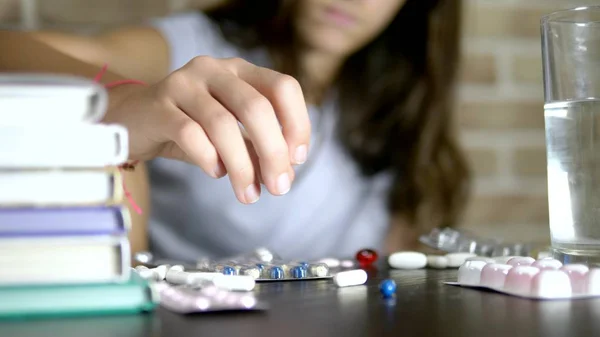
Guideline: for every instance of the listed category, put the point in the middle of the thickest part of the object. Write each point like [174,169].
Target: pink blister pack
[541,279]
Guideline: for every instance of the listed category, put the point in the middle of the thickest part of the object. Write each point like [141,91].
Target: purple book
[64,221]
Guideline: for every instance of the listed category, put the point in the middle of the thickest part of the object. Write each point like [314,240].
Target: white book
[43,188]
[64,260]
[63,146]
[27,99]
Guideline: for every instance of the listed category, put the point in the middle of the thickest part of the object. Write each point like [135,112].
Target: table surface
[424,306]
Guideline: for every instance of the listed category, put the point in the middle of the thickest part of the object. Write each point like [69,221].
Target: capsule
[350,278]
[318,270]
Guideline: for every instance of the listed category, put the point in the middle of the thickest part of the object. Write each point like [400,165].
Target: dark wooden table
[423,307]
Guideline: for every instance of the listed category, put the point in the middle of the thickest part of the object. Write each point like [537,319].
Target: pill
[318,270]
[161,271]
[544,254]
[234,282]
[177,267]
[182,277]
[275,272]
[592,282]
[493,275]
[347,264]
[147,274]
[251,271]
[547,264]
[481,258]
[407,260]
[518,279]
[455,260]
[330,262]
[469,272]
[387,288]
[350,278]
[520,261]
[366,257]
[503,259]
[437,261]
[228,270]
[551,284]
[577,274]
[298,272]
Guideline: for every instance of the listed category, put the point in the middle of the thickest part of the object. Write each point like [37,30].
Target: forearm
[21,52]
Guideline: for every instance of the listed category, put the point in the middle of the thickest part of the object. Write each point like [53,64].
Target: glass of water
[571,59]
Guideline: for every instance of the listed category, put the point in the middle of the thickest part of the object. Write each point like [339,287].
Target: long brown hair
[396,95]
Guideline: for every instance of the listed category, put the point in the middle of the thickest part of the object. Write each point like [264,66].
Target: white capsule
[330,262]
[182,277]
[161,271]
[234,282]
[177,267]
[437,261]
[407,260]
[457,259]
[350,278]
[148,274]
[347,264]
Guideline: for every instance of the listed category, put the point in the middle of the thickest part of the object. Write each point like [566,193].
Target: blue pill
[303,265]
[298,272]
[260,266]
[276,273]
[227,270]
[387,288]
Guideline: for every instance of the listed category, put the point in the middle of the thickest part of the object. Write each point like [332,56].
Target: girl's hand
[193,114]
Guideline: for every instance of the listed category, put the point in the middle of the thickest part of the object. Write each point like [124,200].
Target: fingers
[258,118]
[223,131]
[287,99]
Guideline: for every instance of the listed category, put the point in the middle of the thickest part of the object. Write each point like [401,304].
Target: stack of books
[64,247]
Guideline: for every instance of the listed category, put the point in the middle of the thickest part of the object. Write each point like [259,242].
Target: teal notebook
[133,296]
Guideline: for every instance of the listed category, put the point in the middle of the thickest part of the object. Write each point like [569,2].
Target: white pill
[455,260]
[347,264]
[543,255]
[407,260]
[234,282]
[551,284]
[547,264]
[577,274]
[503,259]
[518,279]
[177,267]
[350,278]
[520,261]
[592,282]
[330,262]
[148,274]
[437,261]
[182,277]
[161,271]
[469,272]
[493,275]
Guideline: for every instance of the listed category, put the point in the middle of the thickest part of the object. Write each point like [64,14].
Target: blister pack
[458,241]
[263,266]
[541,279]
[186,299]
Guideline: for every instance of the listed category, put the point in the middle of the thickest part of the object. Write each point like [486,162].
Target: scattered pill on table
[387,288]
[437,261]
[455,260]
[366,257]
[350,278]
[407,260]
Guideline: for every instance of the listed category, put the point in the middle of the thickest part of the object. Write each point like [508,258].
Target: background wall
[500,110]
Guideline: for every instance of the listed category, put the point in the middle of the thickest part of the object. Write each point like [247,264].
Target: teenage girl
[314,128]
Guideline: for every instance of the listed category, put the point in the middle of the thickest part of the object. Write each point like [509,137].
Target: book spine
[67,146]
[112,220]
[60,187]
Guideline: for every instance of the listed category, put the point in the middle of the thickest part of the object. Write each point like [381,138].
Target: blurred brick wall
[500,108]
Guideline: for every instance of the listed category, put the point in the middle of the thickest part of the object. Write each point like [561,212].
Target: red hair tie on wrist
[131,165]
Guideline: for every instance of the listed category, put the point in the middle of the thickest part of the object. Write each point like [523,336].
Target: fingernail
[251,194]
[301,154]
[283,183]
[219,170]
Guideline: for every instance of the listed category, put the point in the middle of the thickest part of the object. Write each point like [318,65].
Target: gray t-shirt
[331,210]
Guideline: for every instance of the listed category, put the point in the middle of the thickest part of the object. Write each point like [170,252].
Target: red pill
[366,257]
